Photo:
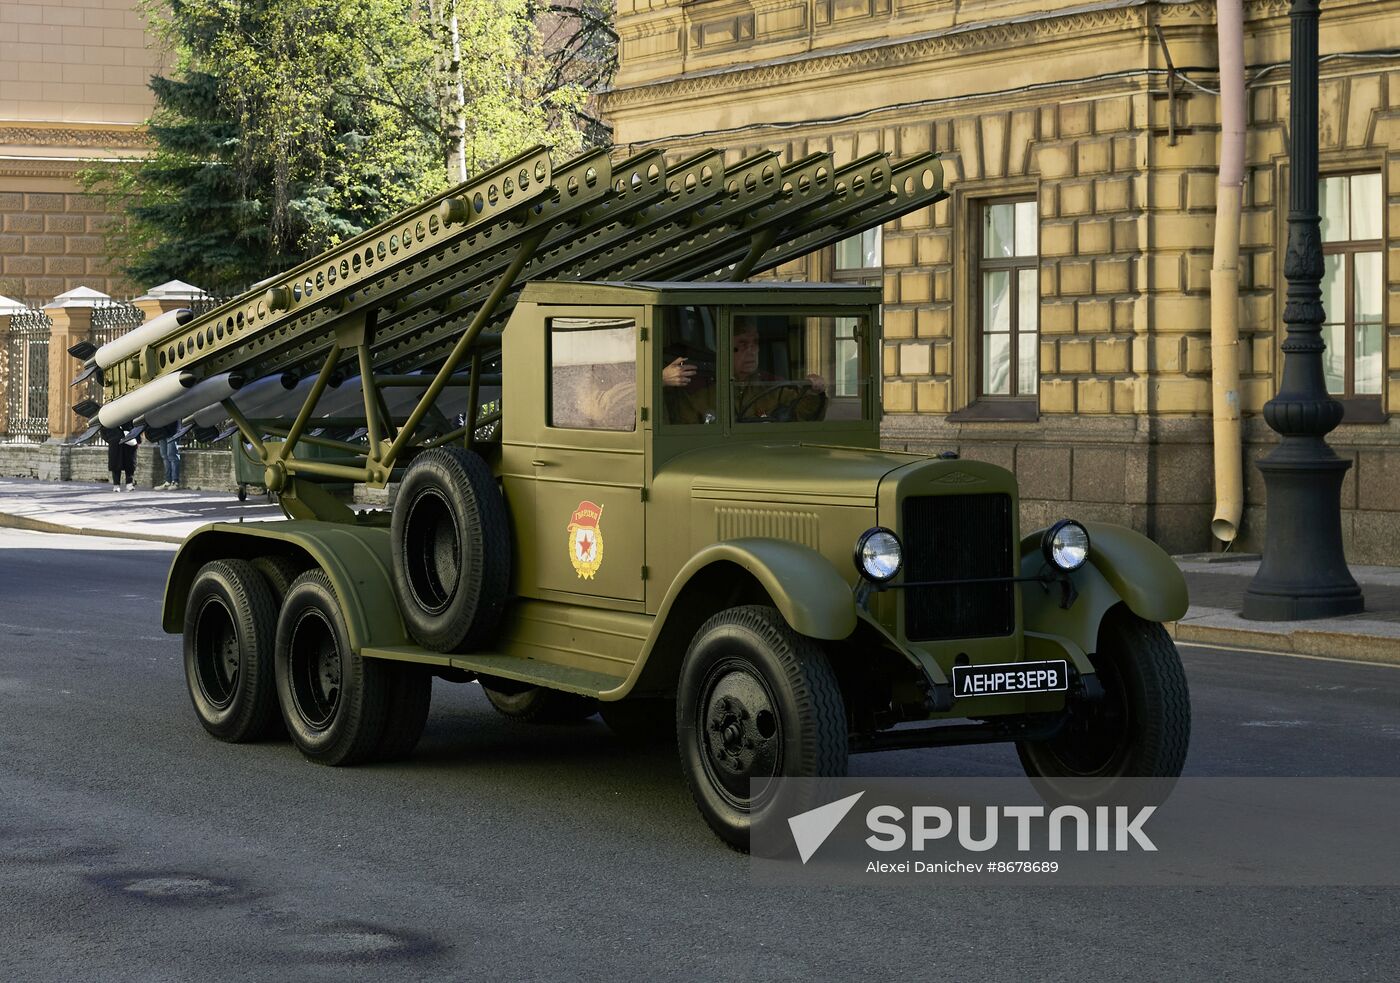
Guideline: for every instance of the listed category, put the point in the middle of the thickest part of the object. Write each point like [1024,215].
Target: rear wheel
[230,621]
[1140,729]
[279,572]
[535,704]
[333,701]
[757,702]
[410,693]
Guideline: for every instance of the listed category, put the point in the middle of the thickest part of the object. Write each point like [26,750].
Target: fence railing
[27,371]
[110,320]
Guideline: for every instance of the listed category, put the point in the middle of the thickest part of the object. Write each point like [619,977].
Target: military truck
[629,482]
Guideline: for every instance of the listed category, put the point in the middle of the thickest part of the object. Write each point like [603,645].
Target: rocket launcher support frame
[431,288]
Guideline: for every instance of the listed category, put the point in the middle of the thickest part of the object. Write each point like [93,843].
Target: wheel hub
[741,736]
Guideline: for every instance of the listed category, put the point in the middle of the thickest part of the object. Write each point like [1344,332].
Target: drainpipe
[1224,278]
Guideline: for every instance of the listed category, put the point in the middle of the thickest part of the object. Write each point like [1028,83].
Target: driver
[758,395]
[761,396]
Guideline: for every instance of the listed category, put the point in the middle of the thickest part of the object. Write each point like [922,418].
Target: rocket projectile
[162,390]
[150,333]
[202,394]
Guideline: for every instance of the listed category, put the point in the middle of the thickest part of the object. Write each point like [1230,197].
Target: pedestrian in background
[121,457]
[170,454]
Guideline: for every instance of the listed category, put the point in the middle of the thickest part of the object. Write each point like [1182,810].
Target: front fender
[355,558]
[803,584]
[1124,566]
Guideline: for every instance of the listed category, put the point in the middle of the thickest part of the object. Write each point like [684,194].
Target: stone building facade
[1080,143]
[73,79]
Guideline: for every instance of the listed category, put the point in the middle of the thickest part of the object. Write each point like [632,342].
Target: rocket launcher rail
[427,290]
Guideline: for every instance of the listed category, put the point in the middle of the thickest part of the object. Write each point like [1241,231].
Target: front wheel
[757,702]
[1140,729]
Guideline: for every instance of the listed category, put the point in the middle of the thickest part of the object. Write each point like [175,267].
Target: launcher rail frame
[430,289]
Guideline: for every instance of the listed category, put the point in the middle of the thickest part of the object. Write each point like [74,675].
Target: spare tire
[451,550]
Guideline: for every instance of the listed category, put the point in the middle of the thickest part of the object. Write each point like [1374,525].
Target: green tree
[186,214]
[288,126]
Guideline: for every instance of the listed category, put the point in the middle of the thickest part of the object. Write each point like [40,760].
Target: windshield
[783,367]
[797,368]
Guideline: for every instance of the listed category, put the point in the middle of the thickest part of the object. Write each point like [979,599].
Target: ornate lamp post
[1304,572]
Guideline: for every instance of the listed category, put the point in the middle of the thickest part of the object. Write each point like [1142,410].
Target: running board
[567,678]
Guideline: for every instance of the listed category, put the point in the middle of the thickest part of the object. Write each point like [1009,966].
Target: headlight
[1066,545]
[878,554]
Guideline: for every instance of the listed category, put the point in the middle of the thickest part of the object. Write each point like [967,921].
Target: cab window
[689,366]
[789,368]
[593,373]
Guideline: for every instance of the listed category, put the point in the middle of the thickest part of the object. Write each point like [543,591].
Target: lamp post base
[1304,572]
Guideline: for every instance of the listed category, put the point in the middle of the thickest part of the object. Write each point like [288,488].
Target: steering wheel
[785,411]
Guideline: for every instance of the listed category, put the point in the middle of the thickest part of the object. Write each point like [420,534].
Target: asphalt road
[134,847]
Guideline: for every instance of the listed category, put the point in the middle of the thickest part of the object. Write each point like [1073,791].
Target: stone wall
[201,469]
[51,242]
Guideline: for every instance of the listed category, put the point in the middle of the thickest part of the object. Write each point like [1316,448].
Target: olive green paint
[354,557]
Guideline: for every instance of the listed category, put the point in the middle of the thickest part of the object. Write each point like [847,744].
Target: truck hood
[788,472]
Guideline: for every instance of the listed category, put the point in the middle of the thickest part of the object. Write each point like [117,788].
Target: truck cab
[621,395]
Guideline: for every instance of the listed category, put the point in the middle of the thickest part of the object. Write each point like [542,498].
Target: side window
[593,373]
[688,365]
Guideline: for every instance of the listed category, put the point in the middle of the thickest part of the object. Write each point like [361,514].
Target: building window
[859,259]
[1352,285]
[859,254]
[1008,291]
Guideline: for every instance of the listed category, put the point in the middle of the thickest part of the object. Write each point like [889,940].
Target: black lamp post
[1304,572]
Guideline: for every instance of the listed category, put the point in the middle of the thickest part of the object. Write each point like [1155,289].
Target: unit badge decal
[586,539]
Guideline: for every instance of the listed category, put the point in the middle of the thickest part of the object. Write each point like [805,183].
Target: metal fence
[110,320]
[27,376]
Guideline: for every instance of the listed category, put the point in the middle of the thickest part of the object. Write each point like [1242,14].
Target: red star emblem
[585,545]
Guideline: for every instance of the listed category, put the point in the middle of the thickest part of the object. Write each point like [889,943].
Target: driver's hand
[817,382]
[678,373]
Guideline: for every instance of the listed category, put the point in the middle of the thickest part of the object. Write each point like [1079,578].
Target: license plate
[1011,677]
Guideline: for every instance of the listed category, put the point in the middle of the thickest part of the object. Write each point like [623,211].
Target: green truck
[628,481]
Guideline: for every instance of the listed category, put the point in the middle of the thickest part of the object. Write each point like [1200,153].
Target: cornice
[124,138]
[961,39]
[40,166]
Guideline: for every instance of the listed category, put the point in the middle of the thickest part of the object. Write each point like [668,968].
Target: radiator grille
[958,537]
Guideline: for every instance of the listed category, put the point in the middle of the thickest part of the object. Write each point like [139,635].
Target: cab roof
[776,292]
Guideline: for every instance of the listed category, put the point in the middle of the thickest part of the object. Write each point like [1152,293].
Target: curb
[8,521]
[1342,646]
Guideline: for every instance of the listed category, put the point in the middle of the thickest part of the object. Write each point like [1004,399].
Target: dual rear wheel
[255,661]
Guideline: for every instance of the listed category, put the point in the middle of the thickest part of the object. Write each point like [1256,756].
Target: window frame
[999,406]
[638,329]
[1359,407]
[866,276]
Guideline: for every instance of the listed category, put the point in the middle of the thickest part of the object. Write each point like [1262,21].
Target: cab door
[590,458]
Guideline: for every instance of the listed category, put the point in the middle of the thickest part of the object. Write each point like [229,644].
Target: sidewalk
[1216,585]
[92,509]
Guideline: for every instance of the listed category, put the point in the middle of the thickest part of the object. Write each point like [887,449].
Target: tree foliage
[285,127]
